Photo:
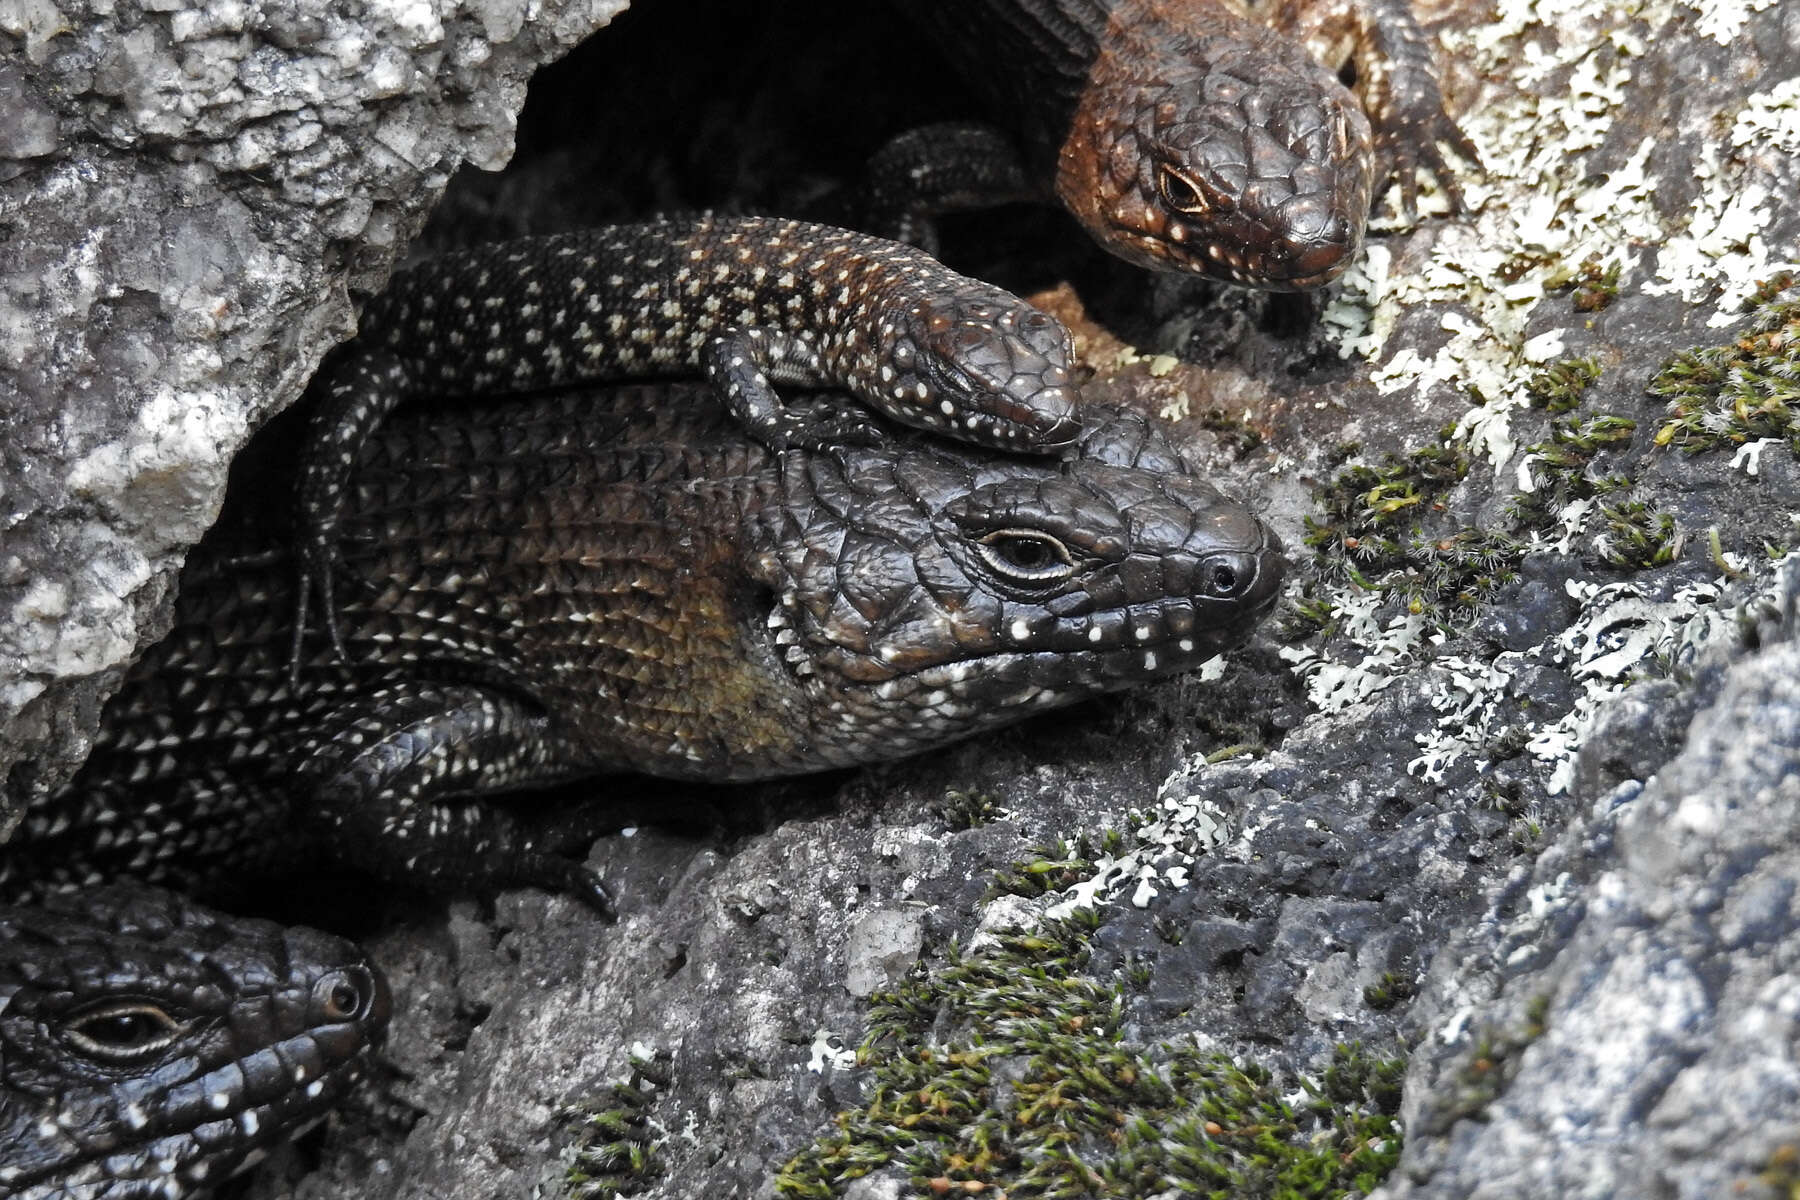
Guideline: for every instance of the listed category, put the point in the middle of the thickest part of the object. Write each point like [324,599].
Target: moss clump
[1383,529]
[1560,469]
[1238,434]
[614,1150]
[1638,537]
[1490,1066]
[1594,284]
[1390,990]
[1056,865]
[1633,535]
[1781,1174]
[1010,1073]
[1724,396]
[1560,386]
[1388,528]
[960,810]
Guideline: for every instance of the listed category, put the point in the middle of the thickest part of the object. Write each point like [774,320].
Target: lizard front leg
[1396,81]
[393,782]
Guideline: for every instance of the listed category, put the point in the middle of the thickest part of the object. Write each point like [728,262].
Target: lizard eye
[1027,556]
[1180,193]
[123,1032]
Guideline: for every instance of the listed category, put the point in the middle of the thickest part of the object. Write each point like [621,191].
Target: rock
[189,196]
[1646,1044]
[881,947]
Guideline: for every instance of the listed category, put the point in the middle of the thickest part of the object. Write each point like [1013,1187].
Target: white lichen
[1543,204]
[829,1050]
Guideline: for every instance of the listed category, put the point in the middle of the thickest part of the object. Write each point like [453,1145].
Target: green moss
[1390,990]
[1526,835]
[1227,753]
[1311,613]
[1388,528]
[1638,537]
[1490,1065]
[1049,868]
[1560,469]
[1781,1174]
[1241,436]
[1008,1072]
[614,1152]
[1383,529]
[1537,1016]
[960,810]
[1595,285]
[1560,386]
[1721,397]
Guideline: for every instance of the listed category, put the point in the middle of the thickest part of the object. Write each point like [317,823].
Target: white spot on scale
[1019,630]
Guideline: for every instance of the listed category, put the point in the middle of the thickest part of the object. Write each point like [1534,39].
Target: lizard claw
[316,575]
[1402,154]
[837,430]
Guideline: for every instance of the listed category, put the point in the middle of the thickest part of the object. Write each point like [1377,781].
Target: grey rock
[1649,1046]
[881,947]
[873,1188]
[189,195]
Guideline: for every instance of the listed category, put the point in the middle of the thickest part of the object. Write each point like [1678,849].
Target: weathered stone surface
[1637,992]
[188,196]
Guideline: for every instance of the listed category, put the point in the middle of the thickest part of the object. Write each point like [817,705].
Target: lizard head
[1235,157]
[982,365]
[146,1023]
[935,592]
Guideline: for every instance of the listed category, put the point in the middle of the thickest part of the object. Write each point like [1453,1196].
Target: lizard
[605,580]
[745,300]
[151,1047]
[1196,136]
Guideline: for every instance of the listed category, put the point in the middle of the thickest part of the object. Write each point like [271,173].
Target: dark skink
[1184,135]
[151,1048]
[747,301]
[624,580]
